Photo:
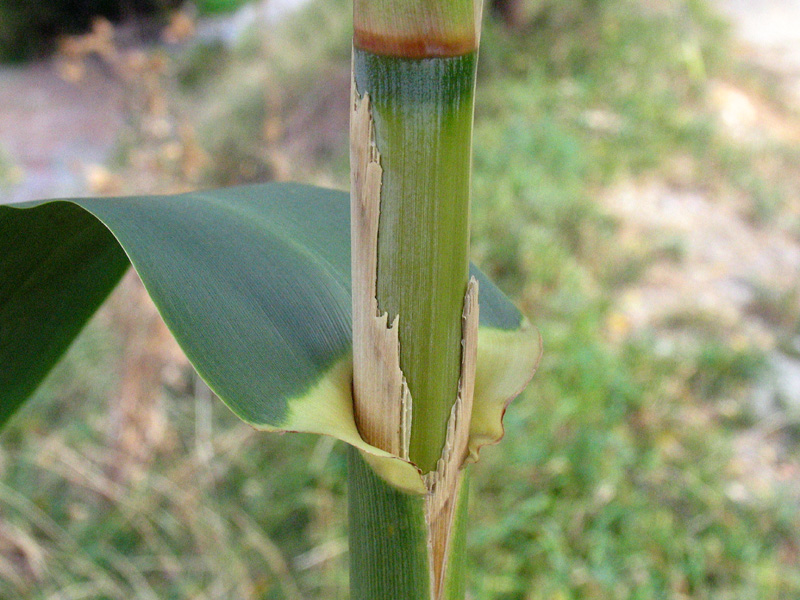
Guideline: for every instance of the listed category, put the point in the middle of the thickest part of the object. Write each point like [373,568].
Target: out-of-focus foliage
[619,481]
[8,172]
[30,28]
[532,14]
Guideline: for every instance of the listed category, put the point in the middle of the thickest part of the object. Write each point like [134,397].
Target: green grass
[617,478]
[210,7]
[616,492]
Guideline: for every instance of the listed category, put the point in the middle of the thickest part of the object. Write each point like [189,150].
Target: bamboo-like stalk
[415,316]
[422,112]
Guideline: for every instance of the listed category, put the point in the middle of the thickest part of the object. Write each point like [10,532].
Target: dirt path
[770,27]
[771,31]
[52,131]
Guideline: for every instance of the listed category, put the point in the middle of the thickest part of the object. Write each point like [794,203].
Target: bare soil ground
[769,30]
[53,131]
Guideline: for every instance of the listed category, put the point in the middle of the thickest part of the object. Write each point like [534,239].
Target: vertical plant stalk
[415,314]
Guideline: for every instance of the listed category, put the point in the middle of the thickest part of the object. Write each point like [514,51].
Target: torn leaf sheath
[444,484]
[422,112]
[382,401]
[381,396]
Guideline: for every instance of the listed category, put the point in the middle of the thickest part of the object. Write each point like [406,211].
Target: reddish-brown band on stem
[413,47]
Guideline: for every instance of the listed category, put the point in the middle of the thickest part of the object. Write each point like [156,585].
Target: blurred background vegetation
[636,190]
[30,28]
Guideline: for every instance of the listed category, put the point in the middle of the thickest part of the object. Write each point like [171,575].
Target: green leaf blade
[253,282]
[41,309]
[260,312]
